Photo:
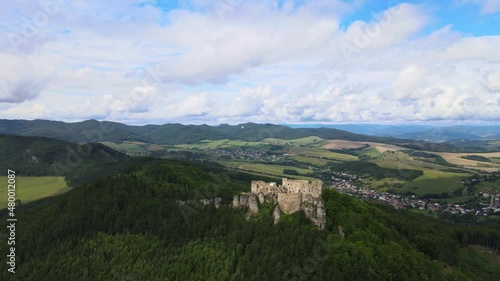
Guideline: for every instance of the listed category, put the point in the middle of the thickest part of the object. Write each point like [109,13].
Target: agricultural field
[344,144]
[307,141]
[128,147]
[401,160]
[457,159]
[435,182]
[488,186]
[322,153]
[457,199]
[275,170]
[309,160]
[382,184]
[33,188]
[371,152]
[224,143]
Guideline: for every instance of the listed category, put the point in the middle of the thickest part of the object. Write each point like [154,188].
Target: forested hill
[129,227]
[39,156]
[170,134]
[92,130]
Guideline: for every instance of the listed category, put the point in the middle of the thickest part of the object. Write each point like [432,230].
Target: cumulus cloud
[487,6]
[22,78]
[257,61]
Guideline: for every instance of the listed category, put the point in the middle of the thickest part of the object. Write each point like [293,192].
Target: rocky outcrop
[261,198]
[252,204]
[313,207]
[217,202]
[277,214]
[206,201]
[315,211]
[236,201]
[341,232]
[246,200]
[270,198]
[321,216]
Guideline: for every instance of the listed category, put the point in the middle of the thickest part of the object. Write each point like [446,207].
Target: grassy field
[322,153]
[310,160]
[456,158]
[33,188]
[401,160]
[372,152]
[435,182]
[224,143]
[344,144]
[276,170]
[495,160]
[126,147]
[382,184]
[487,186]
[307,141]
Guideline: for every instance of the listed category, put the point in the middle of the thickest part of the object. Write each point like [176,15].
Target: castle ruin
[290,194]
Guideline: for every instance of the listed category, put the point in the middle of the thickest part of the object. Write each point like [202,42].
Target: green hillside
[39,156]
[129,227]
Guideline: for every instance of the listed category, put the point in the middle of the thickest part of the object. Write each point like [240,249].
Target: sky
[263,61]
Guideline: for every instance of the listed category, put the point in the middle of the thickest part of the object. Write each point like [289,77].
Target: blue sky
[231,61]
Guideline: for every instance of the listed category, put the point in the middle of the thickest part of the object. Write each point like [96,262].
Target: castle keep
[290,194]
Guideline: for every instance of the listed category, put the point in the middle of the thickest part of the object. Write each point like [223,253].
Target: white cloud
[22,78]
[257,62]
[487,6]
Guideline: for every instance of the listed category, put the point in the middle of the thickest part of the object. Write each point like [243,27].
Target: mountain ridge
[175,133]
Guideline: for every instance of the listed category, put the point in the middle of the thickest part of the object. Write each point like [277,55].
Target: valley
[139,194]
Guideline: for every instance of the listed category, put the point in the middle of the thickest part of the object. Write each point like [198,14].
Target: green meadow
[33,188]
[276,170]
[309,160]
[435,182]
[322,153]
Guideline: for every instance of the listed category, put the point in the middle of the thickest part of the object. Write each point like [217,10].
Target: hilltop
[40,156]
[130,227]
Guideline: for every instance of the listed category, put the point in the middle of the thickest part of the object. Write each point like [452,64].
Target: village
[344,183]
[246,154]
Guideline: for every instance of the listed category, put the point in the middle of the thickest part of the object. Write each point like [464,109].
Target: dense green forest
[171,134]
[129,227]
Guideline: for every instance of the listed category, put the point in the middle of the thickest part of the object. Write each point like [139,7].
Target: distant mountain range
[418,132]
[171,134]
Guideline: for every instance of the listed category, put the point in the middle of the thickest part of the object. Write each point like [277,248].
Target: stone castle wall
[289,202]
[303,186]
[265,187]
